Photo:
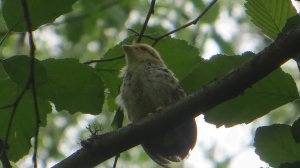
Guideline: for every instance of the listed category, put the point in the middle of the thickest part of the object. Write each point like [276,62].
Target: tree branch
[105,146]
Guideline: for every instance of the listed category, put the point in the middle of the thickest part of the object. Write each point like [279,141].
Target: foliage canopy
[82,31]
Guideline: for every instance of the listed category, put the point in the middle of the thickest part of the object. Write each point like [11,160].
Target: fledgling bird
[149,86]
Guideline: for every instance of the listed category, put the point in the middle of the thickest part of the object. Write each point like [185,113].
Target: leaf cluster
[67,84]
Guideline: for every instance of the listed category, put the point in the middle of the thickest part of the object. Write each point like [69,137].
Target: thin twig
[7,33]
[116,161]
[32,78]
[105,59]
[194,21]
[119,125]
[141,34]
[6,106]
[5,36]
[150,12]
[138,34]
[12,115]
[155,39]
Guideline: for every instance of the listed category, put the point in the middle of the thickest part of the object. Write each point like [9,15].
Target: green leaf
[23,126]
[179,56]
[273,91]
[74,30]
[109,71]
[290,165]
[210,70]
[118,119]
[212,15]
[270,15]
[3,74]
[275,145]
[72,86]
[199,4]
[18,68]
[296,130]
[110,102]
[3,27]
[40,12]
[8,92]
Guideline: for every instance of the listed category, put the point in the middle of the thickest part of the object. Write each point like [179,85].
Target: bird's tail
[173,146]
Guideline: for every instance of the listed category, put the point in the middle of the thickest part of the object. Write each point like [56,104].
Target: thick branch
[231,85]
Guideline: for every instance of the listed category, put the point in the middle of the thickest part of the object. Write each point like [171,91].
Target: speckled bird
[149,86]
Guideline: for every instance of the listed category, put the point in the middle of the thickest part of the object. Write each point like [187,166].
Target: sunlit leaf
[270,15]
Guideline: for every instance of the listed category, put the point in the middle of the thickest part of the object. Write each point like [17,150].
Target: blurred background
[94,26]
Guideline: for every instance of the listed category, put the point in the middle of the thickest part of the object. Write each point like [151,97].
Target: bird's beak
[130,53]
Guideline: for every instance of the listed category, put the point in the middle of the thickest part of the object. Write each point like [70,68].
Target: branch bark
[105,146]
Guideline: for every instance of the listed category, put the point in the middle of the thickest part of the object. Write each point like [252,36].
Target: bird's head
[141,53]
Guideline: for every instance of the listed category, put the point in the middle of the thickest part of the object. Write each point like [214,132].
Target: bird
[149,86]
